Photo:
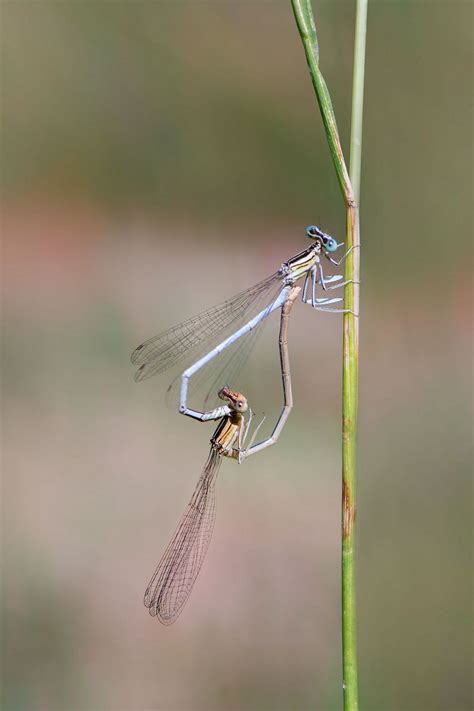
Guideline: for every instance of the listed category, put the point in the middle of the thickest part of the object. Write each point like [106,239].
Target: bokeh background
[157,157]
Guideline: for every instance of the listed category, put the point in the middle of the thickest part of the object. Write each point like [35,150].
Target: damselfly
[173,579]
[202,332]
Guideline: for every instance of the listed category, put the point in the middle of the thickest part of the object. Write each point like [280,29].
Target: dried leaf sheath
[173,580]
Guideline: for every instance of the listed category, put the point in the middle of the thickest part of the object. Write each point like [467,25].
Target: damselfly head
[237,401]
[328,243]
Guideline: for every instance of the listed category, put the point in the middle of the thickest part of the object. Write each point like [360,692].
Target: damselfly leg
[338,263]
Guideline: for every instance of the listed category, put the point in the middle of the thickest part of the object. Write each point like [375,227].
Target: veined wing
[226,368]
[173,580]
[173,345]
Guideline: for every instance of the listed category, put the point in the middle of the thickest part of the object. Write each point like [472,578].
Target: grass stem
[350,188]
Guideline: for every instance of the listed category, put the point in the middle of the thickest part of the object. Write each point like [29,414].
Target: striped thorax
[302,263]
[227,433]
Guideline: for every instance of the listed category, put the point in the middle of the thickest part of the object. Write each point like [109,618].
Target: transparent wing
[228,372]
[173,580]
[201,332]
[225,369]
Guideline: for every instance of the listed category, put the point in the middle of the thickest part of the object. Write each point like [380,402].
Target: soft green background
[157,157]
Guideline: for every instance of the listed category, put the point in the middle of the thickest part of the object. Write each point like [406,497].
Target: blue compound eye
[330,244]
[313,231]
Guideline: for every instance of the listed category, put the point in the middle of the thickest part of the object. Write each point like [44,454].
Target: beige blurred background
[158,157]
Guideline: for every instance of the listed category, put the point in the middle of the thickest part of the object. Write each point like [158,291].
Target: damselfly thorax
[302,263]
[229,436]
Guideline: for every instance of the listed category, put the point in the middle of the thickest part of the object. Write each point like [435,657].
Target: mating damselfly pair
[200,339]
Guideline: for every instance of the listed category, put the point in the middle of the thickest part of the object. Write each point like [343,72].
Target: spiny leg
[343,283]
[344,256]
[254,434]
[325,281]
[322,280]
[244,430]
[305,285]
[314,281]
[336,311]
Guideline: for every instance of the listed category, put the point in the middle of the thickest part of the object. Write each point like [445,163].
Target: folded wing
[173,580]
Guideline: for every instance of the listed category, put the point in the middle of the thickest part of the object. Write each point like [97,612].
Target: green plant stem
[350,369]
[358,96]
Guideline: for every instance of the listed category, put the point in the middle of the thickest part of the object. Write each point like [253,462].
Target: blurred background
[157,158]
